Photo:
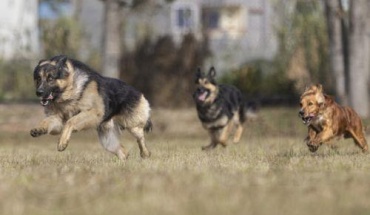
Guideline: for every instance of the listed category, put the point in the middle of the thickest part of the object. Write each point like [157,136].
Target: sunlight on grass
[270,171]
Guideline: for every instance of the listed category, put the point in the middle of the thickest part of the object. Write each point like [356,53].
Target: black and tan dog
[76,98]
[221,108]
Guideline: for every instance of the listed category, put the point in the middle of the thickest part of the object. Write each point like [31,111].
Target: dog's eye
[310,103]
[50,79]
[206,82]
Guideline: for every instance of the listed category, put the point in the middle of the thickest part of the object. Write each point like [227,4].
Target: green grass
[269,172]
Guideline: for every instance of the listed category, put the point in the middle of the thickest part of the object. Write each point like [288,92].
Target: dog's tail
[249,111]
[148,126]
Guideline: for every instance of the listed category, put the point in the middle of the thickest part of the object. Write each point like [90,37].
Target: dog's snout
[39,92]
[301,113]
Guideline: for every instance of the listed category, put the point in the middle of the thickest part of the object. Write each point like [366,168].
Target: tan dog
[326,119]
[77,98]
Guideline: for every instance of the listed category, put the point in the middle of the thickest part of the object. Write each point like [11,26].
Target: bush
[262,81]
[16,81]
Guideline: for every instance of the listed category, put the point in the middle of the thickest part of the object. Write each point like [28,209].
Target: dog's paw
[37,132]
[145,154]
[61,147]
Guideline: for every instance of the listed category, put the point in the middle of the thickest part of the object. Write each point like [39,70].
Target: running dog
[326,119]
[221,108]
[77,98]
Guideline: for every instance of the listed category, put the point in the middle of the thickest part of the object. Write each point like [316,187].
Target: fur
[220,108]
[75,98]
[326,120]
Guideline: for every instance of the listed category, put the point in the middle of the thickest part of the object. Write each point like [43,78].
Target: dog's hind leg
[109,139]
[238,133]
[359,139]
[138,133]
[225,133]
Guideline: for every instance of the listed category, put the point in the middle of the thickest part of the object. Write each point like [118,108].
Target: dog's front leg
[311,135]
[324,136]
[51,125]
[83,120]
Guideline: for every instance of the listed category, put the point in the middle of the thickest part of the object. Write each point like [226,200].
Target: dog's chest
[318,123]
[212,116]
[67,110]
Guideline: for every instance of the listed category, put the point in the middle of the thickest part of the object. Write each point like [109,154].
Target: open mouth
[307,119]
[46,100]
[203,95]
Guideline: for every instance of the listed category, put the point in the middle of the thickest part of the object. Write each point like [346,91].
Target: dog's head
[311,101]
[207,88]
[51,78]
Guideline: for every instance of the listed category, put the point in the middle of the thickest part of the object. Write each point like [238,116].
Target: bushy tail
[148,126]
[248,111]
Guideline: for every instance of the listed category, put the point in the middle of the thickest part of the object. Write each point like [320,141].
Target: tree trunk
[337,63]
[358,51]
[111,51]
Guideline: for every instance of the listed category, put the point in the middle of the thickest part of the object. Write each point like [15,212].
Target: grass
[269,172]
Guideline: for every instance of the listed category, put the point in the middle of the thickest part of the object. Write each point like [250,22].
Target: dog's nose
[300,113]
[39,92]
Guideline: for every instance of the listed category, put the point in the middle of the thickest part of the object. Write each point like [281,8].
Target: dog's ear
[62,66]
[320,96]
[61,62]
[319,88]
[212,72]
[198,75]
[42,61]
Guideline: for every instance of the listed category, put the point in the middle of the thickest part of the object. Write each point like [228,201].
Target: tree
[358,57]
[334,15]
[111,50]
[349,51]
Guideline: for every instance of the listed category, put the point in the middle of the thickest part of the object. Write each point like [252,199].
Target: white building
[238,31]
[18,29]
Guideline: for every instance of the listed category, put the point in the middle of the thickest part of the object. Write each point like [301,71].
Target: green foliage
[62,36]
[302,38]
[16,81]
[260,79]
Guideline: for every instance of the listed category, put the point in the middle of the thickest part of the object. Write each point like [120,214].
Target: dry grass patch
[270,172]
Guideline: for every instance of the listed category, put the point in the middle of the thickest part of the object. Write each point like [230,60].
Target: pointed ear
[61,62]
[320,97]
[42,61]
[62,66]
[319,87]
[212,72]
[199,73]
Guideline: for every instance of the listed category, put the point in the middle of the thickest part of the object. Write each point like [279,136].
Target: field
[270,171]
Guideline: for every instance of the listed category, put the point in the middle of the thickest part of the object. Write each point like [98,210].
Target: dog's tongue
[45,101]
[202,96]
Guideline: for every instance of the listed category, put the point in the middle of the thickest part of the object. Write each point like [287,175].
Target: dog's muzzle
[306,119]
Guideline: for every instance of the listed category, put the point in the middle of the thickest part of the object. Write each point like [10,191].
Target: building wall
[254,40]
[18,28]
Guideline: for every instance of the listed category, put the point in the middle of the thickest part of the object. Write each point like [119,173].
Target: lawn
[270,171]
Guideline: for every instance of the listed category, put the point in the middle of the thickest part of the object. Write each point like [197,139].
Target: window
[184,17]
[211,18]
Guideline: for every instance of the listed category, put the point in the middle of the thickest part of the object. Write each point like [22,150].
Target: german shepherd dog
[326,119]
[221,108]
[76,98]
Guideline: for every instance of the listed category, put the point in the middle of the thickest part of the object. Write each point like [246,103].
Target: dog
[326,119]
[220,108]
[75,98]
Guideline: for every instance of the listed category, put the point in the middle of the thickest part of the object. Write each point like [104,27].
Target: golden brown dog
[326,119]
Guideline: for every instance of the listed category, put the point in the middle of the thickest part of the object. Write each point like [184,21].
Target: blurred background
[270,49]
